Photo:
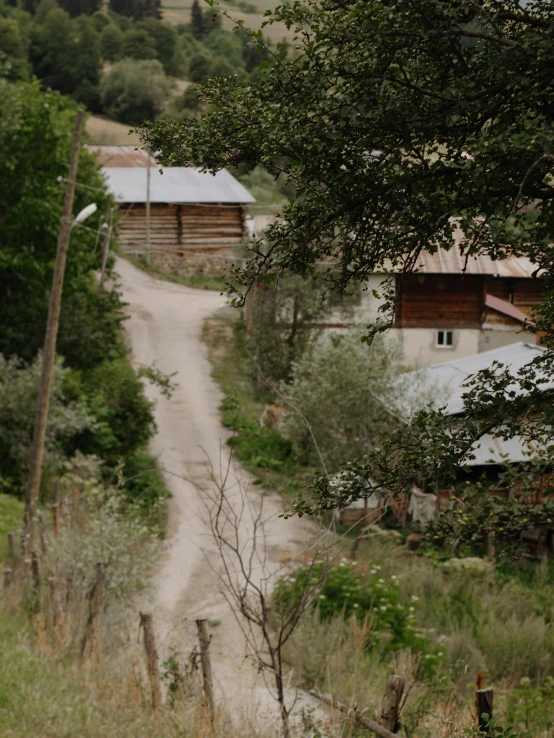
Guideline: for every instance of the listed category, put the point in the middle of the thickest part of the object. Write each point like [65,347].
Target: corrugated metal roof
[442,386]
[121,156]
[175,185]
[454,262]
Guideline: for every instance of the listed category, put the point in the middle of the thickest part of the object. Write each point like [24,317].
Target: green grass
[264,452]
[197,281]
[43,698]
[11,516]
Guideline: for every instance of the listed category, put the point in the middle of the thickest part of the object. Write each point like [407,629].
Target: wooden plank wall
[181,228]
[524,293]
[452,300]
[440,300]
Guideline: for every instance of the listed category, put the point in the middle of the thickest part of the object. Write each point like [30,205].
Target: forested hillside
[124,60]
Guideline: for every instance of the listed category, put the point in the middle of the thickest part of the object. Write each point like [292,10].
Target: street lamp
[84,214]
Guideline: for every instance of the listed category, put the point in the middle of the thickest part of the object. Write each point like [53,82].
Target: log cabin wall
[454,300]
[523,293]
[181,229]
[440,300]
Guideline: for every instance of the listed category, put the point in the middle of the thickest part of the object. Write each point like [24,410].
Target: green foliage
[65,55]
[124,416]
[134,91]
[264,448]
[31,200]
[67,418]
[199,67]
[13,51]
[143,485]
[138,44]
[283,319]
[227,45]
[111,42]
[197,24]
[344,389]
[266,189]
[344,595]
[530,708]
[164,37]
[11,515]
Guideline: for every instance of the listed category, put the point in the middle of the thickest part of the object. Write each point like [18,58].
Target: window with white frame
[445,339]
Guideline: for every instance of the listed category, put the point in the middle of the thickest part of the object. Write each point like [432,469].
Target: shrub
[262,447]
[125,421]
[67,418]
[343,388]
[345,595]
[134,91]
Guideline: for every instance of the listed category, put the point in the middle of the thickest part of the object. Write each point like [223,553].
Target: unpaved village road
[164,327]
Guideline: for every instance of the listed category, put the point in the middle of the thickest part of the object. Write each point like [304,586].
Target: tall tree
[197,25]
[398,121]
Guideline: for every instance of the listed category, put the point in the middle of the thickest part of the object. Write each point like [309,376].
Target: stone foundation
[193,263]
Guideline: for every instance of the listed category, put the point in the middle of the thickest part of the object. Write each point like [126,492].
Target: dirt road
[165,327]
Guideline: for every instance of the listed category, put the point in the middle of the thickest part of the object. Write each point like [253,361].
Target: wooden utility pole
[49,352]
[151,659]
[207,676]
[148,257]
[107,237]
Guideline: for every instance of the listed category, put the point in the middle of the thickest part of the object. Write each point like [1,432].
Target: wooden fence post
[207,676]
[7,578]
[391,703]
[42,531]
[56,609]
[151,659]
[56,519]
[11,545]
[485,707]
[96,598]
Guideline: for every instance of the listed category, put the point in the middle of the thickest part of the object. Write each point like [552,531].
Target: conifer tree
[197,24]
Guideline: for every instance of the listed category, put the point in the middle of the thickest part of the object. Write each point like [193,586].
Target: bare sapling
[152,666]
[207,676]
[238,528]
[96,598]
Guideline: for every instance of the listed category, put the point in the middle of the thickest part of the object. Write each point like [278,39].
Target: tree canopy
[397,122]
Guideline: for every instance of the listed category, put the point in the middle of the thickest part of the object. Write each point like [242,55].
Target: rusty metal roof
[121,156]
[455,262]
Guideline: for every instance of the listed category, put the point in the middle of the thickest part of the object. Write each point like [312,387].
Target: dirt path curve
[164,326]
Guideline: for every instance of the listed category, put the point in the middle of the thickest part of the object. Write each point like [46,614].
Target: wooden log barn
[193,216]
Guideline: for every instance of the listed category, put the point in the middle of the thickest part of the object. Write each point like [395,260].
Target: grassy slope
[261,451]
[41,697]
[11,515]
[103,131]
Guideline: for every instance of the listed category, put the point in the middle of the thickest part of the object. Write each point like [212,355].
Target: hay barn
[192,213]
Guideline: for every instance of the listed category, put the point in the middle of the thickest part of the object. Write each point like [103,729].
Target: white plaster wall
[420,349]
[496,337]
